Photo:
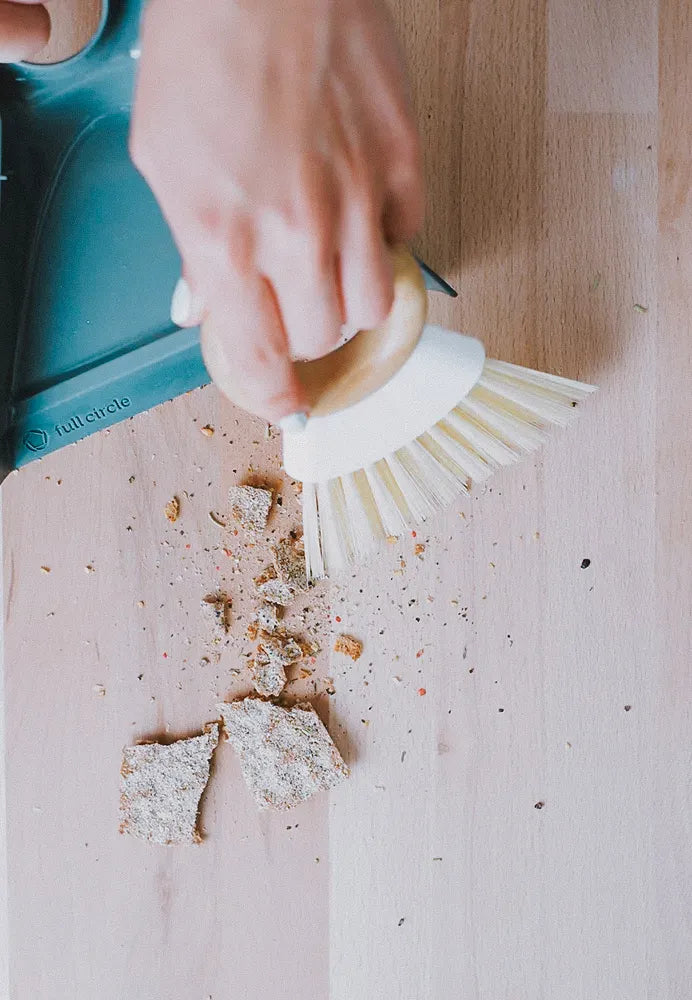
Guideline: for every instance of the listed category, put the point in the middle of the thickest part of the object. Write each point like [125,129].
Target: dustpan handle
[359,367]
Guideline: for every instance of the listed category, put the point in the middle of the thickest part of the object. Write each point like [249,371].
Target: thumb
[24,30]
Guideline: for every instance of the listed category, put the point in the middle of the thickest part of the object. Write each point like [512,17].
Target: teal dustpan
[87,263]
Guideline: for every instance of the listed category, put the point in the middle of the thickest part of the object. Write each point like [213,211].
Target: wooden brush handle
[371,357]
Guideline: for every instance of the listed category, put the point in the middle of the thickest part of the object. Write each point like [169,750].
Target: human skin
[281,146]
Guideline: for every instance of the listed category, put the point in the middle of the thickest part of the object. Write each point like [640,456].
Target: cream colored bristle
[506,416]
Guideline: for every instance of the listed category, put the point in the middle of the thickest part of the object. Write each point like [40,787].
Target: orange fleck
[413,534]
[337,619]
[165,656]
[188,546]
[227,552]
[422,691]
[419,654]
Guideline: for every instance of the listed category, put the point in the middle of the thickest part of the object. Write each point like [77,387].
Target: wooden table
[558,144]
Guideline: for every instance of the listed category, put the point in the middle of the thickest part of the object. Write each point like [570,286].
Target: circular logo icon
[36,440]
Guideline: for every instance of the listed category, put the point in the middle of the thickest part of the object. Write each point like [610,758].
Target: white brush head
[446,419]
[442,369]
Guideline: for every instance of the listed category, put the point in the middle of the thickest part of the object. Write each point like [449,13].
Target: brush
[403,419]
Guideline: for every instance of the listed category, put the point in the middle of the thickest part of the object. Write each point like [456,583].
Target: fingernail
[186,307]
[181,302]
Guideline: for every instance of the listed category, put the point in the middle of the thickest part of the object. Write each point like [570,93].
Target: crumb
[161,786]
[252,631]
[250,507]
[141,604]
[216,519]
[392,539]
[268,676]
[289,562]
[99,689]
[418,549]
[310,647]
[172,509]
[281,649]
[638,307]
[269,617]
[207,430]
[88,568]
[45,569]
[220,605]
[538,805]
[585,563]
[286,755]
[349,646]
[273,590]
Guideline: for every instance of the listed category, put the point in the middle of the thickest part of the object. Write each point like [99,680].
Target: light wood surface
[72,26]
[558,144]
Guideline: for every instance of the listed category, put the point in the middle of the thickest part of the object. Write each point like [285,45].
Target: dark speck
[401,921]
[500,709]
[627,708]
[538,805]
[585,563]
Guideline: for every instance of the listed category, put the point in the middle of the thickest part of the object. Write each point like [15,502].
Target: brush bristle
[507,415]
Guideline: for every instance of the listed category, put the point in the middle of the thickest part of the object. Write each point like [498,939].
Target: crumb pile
[286,753]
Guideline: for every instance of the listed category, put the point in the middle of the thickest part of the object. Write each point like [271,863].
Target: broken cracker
[220,606]
[268,620]
[349,646]
[161,786]
[269,617]
[273,590]
[286,755]
[282,649]
[172,509]
[268,676]
[288,556]
[250,506]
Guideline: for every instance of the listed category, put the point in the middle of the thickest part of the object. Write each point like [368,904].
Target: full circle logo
[36,440]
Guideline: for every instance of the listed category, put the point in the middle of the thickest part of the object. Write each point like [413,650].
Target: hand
[279,141]
[24,29]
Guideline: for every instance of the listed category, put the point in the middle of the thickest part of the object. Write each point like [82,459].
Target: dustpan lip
[441,371]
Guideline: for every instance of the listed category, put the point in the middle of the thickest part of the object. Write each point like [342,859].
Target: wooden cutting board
[516,826]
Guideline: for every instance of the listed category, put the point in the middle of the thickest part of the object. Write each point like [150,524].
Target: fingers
[246,351]
[24,30]
[367,282]
[404,206]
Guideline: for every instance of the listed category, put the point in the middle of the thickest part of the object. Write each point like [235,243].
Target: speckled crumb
[349,646]
[286,755]
[172,509]
[268,620]
[273,655]
[250,506]
[268,676]
[269,617]
[219,605]
[273,590]
[288,556]
[161,785]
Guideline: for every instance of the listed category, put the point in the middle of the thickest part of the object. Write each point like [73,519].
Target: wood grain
[557,143]
[72,26]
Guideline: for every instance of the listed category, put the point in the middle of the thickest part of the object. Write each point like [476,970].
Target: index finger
[246,350]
